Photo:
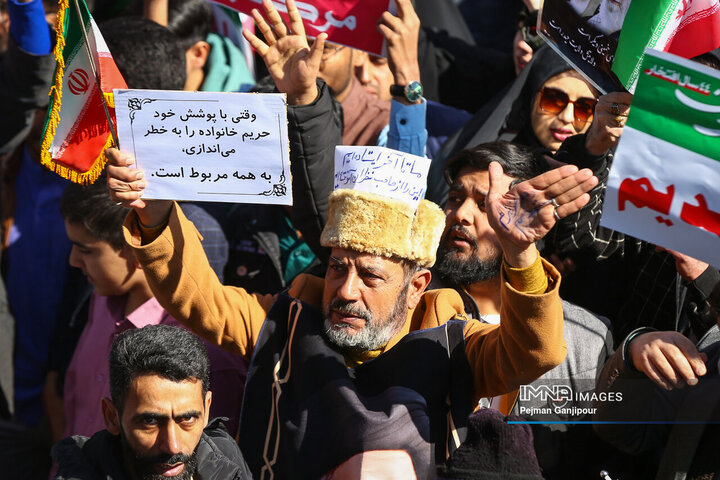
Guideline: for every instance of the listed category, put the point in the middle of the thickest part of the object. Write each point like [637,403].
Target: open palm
[290,61]
[524,214]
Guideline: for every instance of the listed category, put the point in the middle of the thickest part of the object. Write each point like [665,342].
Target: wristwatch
[413,91]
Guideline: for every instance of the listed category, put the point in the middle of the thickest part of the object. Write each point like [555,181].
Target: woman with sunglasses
[548,103]
[555,103]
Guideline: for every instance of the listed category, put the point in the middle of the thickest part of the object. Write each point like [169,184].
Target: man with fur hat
[352,363]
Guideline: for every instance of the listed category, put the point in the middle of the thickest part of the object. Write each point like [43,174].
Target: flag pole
[95,73]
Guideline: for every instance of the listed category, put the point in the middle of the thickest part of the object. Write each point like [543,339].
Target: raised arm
[529,340]
[314,124]
[168,248]
[407,131]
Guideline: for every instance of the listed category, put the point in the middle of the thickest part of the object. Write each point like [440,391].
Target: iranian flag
[664,183]
[683,27]
[77,131]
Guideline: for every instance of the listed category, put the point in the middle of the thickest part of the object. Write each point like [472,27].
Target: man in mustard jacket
[352,363]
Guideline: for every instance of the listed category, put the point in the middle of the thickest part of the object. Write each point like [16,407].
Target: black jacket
[100,457]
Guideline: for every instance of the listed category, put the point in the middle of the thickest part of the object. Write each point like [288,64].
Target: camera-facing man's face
[160,425]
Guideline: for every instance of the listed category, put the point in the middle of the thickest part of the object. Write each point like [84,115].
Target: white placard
[203,146]
[383,171]
[657,192]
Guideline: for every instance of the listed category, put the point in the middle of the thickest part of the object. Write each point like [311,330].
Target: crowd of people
[350,335]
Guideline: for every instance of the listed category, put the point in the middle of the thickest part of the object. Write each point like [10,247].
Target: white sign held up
[383,171]
[203,146]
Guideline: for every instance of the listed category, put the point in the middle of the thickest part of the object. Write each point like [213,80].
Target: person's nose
[567,115]
[362,73]
[74,259]
[349,290]
[464,213]
[170,441]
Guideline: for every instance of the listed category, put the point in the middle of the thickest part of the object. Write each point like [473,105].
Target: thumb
[317,50]
[495,173]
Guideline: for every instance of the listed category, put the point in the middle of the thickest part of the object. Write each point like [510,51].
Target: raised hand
[291,62]
[126,187]
[401,35]
[668,358]
[524,214]
[609,119]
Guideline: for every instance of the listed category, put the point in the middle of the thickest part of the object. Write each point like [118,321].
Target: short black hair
[170,352]
[190,20]
[517,161]
[147,54]
[91,207]
[710,59]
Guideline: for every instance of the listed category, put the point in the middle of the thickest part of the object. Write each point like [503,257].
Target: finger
[392,22]
[654,374]
[118,186]
[275,20]
[495,172]
[561,189]
[541,182]
[296,23]
[660,361]
[684,373]
[316,52]
[574,206]
[264,28]
[404,7]
[124,174]
[694,359]
[574,190]
[117,158]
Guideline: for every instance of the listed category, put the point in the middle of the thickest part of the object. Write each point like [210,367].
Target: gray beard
[377,332]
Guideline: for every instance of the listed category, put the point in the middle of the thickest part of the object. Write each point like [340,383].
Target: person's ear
[416,287]
[111,416]
[130,257]
[196,56]
[208,402]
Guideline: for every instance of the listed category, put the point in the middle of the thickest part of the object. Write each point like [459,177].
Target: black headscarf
[508,112]
[546,64]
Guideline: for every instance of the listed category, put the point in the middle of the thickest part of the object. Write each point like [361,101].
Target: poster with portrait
[586,32]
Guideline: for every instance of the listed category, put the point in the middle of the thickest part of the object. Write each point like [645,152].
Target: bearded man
[470,260]
[157,418]
[351,363]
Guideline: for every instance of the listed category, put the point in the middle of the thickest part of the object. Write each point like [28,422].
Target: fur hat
[372,223]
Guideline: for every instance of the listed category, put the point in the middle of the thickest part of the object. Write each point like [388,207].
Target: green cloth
[295,253]
[226,70]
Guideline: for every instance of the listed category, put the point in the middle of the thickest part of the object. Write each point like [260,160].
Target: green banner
[644,25]
[678,101]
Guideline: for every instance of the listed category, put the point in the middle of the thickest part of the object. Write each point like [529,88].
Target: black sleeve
[581,232]
[314,131]
[24,84]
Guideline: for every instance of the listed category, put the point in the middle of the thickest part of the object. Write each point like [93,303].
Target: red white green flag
[77,131]
[683,27]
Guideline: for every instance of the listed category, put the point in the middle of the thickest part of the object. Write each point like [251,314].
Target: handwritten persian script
[383,171]
[201,146]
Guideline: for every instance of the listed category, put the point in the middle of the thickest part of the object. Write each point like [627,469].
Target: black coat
[100,457]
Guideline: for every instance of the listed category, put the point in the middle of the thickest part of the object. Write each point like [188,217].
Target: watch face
[413,91]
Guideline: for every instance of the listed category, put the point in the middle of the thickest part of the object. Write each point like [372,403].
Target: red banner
[347,22]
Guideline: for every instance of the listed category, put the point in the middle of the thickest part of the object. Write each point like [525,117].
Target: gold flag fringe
[83,178]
